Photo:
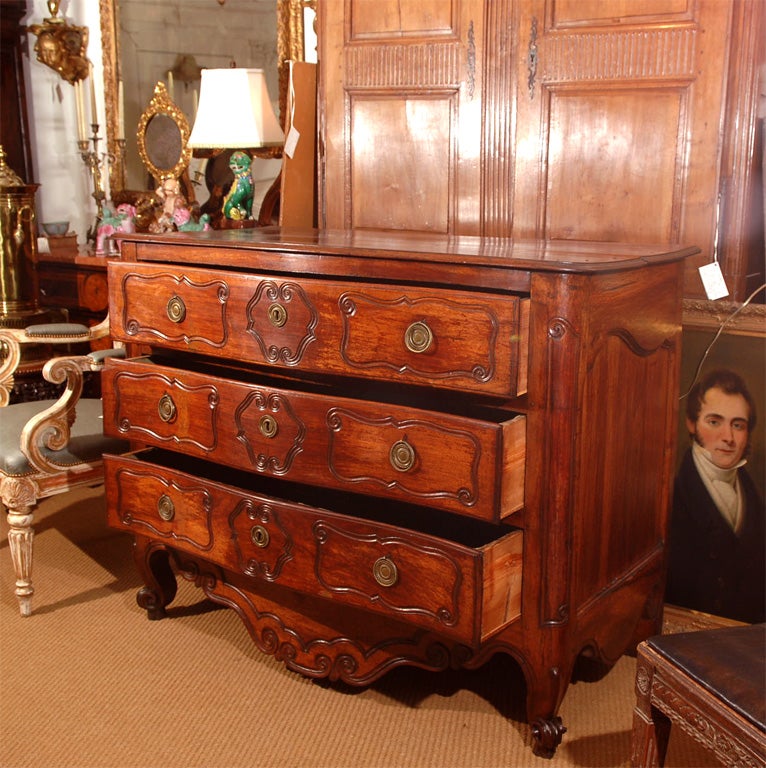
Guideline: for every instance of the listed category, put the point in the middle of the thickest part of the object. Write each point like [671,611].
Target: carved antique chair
[48,446]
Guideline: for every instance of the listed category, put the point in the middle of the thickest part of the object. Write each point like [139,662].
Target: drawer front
[467,466]
[429,337]
[462,591]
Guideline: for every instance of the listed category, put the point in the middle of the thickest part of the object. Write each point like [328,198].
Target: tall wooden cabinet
[622,120]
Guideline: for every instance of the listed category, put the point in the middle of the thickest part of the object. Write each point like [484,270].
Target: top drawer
[415,335]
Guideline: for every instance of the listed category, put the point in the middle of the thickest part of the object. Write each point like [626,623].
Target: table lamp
[234,113]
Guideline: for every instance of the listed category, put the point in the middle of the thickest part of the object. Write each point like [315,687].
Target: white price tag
[712,279]
[291,141]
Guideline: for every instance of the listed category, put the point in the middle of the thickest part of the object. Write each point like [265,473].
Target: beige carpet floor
[88,682]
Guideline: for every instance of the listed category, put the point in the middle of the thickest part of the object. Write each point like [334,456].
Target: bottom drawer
[382,557]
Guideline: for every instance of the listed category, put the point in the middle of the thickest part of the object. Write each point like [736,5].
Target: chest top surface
[494,263]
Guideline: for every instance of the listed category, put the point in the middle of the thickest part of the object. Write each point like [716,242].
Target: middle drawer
[445,461]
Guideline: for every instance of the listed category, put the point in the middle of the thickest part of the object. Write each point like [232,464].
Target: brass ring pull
[259,536]
[418,337]
[166,408]
[165,508]
[277,315]
[176,309]
[268,426]
[385,572]
[402,456]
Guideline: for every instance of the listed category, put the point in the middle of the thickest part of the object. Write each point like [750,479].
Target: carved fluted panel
[660,53]
[415,66]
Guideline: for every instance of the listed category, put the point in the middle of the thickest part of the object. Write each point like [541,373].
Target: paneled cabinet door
[619,114]
[400,113]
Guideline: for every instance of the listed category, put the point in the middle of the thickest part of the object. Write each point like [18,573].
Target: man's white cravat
[722,485]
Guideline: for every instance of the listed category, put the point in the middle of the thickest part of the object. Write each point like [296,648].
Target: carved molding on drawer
[345,565]
[282,320]
[138,497]
[430,442]
[202,320]
[364,315]
[316,650]
[262,544]
[141,416]
[271,448]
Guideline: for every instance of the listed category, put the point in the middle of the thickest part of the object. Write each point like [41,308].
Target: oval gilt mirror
[162,136]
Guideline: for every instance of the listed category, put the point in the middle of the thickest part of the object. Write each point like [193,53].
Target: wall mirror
[143,41]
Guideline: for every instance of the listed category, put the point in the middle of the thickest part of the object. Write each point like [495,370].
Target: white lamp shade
[234,111]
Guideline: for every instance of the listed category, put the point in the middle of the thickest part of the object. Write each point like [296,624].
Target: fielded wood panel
[401,103]
[619,132]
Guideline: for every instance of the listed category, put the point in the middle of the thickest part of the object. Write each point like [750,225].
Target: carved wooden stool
[712,685]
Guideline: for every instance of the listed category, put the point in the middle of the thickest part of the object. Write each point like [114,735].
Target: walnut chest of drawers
[390,448]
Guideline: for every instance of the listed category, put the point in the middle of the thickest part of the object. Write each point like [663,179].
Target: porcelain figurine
[123,220]
[238,203]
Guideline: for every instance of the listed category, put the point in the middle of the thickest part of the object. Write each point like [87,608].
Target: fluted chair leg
[20,538]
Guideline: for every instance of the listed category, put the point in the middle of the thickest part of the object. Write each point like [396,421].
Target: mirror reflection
[171,42]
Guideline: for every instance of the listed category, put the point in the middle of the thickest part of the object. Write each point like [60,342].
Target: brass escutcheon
[268,426]
[166,508]
[402,456]
[418,337]
[166,408]
[277,315]
[259,536]
[385,572]
[176,309]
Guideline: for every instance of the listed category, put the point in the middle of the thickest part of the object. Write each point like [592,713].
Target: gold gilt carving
[18,493]
[62,46]
[110,59]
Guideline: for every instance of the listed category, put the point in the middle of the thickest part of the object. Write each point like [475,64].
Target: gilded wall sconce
[62,46]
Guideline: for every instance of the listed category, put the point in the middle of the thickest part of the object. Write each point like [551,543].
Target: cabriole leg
[161,585]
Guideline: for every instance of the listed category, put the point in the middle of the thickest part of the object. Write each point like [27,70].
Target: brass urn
[18,247]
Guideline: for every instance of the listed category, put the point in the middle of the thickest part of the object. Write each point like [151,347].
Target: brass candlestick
[93,162]
[121,155]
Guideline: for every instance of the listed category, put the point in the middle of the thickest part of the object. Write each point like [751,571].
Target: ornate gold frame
[162,104]
[289,47]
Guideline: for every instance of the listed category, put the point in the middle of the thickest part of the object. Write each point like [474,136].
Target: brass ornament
[259,536]
[402,456]
[385,572]
[165,508]
[268,426]
[176,309]
[166,408]
[62,46]
[277,315]
[418,338]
